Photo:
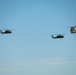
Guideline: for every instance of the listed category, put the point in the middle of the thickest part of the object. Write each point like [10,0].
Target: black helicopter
[57,36]
[5,31]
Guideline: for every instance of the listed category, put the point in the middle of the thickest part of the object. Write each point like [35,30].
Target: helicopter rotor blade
[6,29]
[69,26]
[60,34]
[74,26]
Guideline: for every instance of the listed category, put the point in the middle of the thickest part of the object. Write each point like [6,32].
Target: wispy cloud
[48,61]
[5,67]
[52,61]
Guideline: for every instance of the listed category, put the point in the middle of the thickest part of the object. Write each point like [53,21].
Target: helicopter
[57,36]
[73,29]
[5,31]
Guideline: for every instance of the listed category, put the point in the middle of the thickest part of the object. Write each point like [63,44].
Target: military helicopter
[73,29]
[57,36]
[5,31]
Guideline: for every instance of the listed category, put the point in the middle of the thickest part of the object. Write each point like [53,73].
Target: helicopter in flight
[73,29]
[5,31]
[57,36]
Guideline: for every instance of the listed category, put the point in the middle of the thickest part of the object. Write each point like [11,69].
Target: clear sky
[30,50]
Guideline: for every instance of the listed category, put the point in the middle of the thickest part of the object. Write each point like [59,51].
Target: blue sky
[30,50]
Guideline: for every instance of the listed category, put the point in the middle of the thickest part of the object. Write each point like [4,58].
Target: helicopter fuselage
[6,32]
[58,36]
[72,30]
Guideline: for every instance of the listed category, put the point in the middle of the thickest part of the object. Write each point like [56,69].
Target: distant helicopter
[73,29]
[57,36]
[5,31]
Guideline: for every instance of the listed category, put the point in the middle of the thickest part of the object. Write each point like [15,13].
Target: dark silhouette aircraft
[7,31]
[57,36]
